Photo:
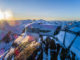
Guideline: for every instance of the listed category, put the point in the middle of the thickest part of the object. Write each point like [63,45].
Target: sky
[42,9]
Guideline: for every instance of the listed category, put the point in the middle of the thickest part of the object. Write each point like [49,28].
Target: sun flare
[7,15]
[1,15]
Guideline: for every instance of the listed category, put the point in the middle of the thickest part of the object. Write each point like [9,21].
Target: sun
[1,15]
[7,15]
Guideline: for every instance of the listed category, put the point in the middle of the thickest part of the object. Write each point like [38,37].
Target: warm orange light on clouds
[6,15]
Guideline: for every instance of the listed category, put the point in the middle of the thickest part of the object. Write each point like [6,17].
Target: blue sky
[43,9]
